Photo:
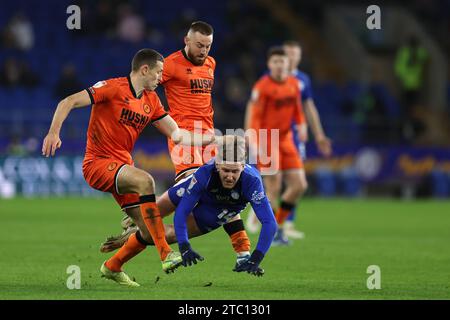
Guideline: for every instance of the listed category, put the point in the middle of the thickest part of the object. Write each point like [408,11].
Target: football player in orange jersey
[276,103]
[188,78]
[121,108]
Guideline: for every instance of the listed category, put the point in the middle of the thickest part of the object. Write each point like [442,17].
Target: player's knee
[145,184]
[303,186]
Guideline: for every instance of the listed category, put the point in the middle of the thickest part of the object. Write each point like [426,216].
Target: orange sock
[154,223]
[283,212]
[130,249]
[240,241]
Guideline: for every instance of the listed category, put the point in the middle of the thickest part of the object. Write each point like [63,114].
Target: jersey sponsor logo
[285,102]
[201,85]
[133,119]
[257,197]
[112,166]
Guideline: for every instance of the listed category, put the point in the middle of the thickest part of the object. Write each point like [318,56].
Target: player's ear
[186,40]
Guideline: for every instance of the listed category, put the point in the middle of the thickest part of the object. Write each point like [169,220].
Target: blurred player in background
[213,196]
[274,105]
[121,108]
[294,53]
[188,78]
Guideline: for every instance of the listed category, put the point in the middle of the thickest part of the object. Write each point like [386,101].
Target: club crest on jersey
[146,108]
[211,72]
[257,197]
[180,192]
[112,166]
[235,195]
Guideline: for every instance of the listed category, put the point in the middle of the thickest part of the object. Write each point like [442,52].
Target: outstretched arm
[52,140]
[170,129]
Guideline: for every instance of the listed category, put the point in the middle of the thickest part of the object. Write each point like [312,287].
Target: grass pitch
[409,241]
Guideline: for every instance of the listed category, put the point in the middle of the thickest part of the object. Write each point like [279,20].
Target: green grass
[409,241]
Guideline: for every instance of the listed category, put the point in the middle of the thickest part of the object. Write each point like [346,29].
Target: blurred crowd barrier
[352,171]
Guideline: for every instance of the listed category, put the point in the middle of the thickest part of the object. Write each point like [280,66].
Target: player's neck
[280,79]
[135,84]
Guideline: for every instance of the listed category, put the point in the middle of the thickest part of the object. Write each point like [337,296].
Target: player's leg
[288,226]
[239,239]
[149,221]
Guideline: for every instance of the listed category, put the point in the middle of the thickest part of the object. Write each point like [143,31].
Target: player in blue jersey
[212,197]
[215,195]
[294,53]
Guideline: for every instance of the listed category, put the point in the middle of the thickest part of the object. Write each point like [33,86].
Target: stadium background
[383,145]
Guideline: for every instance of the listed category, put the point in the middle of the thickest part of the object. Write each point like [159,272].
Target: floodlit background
[380,199]
[389,138]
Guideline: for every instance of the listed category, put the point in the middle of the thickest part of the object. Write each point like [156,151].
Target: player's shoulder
[116,82]
[210,62]
[262,82]
[204,172]
[250,173]
[303,76]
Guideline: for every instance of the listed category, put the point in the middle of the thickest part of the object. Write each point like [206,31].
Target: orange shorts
[185,158]
[284,156]
[101,174]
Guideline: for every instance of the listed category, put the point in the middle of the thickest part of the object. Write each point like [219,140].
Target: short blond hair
[231,149]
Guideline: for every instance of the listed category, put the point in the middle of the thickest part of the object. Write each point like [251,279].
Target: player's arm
[52,140]
[312,115]
[170,129]
[184,208]
[260,204]
[300,121]
[253,114]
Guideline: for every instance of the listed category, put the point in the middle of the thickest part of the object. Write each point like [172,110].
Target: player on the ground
[188,78]
[276,103]
[121,108]
[294,53]
[213,196]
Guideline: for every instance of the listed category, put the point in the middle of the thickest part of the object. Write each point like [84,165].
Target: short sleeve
[168,70]
[101,91]
[159,109]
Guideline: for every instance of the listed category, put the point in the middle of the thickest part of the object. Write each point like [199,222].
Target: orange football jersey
[118,116]
[276,104]
[188,90]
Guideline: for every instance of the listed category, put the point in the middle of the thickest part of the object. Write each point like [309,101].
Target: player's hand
[50,144]
[251,265]
[303,133]
[189,256]
[324,146]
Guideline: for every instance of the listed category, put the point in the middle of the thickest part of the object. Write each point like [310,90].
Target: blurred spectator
[16,147]
[410,64]
[131,26]
[18,33]
[17,73]
[105,17]
[68,82]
